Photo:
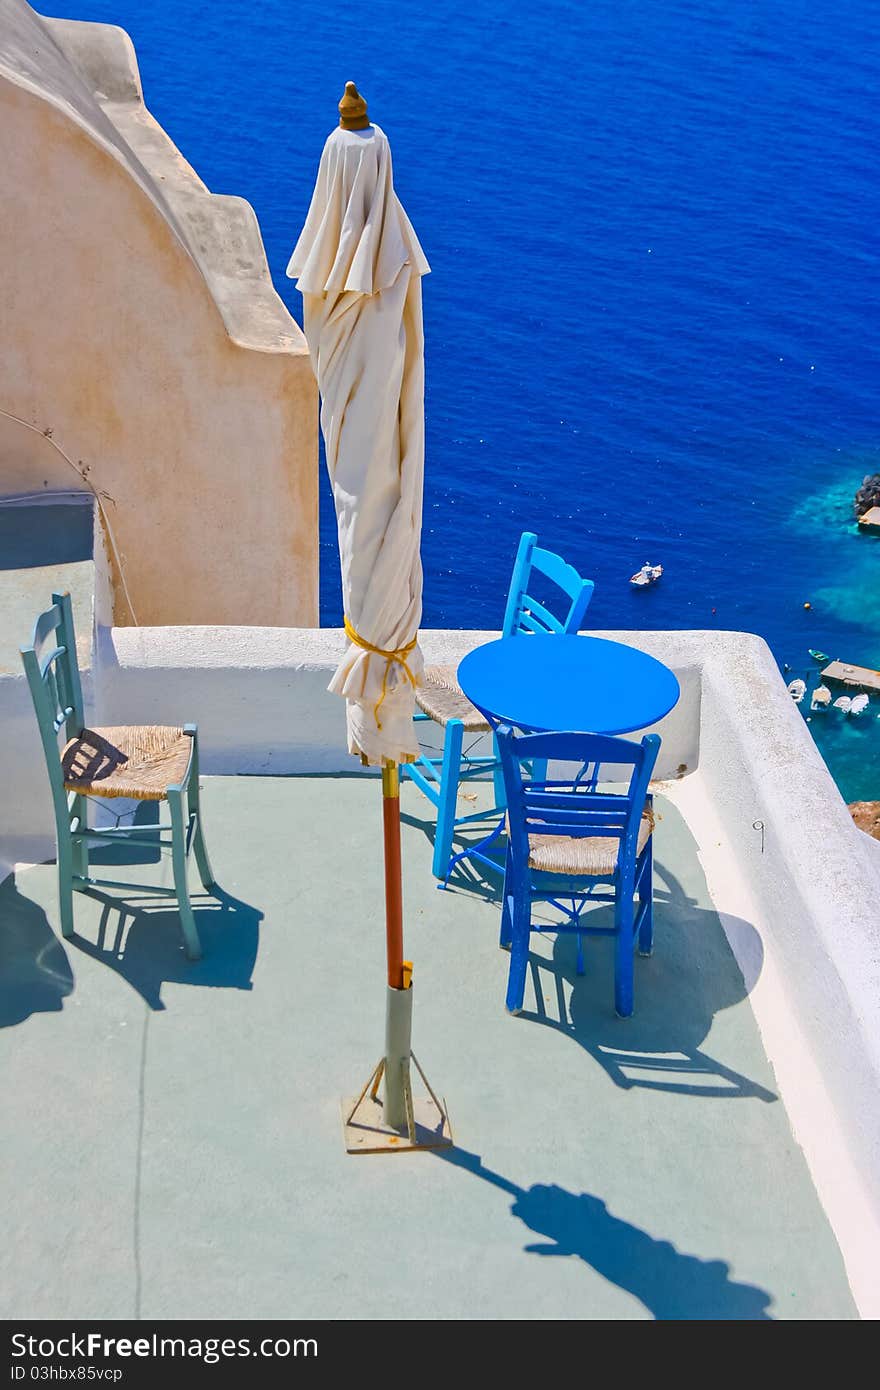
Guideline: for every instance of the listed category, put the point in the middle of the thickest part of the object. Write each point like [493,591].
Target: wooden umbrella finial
[353,109]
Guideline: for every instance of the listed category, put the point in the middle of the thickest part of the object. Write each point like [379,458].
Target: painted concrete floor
[173,1143]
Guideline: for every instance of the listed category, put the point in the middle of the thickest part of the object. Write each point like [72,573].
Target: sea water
[651,323]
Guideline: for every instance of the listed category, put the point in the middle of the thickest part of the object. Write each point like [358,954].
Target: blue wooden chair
[148,763]
[441,700]
[566,837]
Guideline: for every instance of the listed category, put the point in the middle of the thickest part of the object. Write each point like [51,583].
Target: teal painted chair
[147,763]
[441,700]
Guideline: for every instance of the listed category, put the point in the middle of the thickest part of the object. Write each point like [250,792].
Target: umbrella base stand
[427,1122]
[395,1121]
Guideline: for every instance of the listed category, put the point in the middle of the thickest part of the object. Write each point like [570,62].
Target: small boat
[821,657]
[859,704]
[821,697]
[843,703]
[797,689]
[648,574]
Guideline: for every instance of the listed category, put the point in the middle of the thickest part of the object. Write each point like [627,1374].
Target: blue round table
[567,683]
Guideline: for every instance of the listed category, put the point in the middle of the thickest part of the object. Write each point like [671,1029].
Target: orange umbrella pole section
[393,881]
[406,1123]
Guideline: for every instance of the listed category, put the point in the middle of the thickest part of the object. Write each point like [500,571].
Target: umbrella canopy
[359,265]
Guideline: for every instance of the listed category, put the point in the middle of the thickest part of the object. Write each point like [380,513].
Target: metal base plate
[365,1132]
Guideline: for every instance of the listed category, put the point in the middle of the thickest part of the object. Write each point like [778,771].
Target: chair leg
[65,881]
[519,954]
[623,951]
[646,901]
[506,908]
[194,801]
[449,778]
[80,848]
[191,942]
[498,778]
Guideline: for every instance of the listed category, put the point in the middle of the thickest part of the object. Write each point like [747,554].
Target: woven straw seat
[139,760]
[442,698]
[594,854]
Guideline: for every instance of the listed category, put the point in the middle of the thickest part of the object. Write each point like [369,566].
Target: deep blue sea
[653,322]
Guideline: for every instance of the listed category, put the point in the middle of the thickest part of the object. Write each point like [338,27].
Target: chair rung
[422,783]
[573,823]
[561,927]
[123,832]
[474,765]
[490,812]
[555,798]
[120,883]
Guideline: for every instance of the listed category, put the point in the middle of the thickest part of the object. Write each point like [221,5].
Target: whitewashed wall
[140,325]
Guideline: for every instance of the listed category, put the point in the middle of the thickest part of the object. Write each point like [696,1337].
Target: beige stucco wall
[140,325]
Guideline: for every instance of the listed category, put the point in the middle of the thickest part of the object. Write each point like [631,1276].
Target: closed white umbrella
[358,264]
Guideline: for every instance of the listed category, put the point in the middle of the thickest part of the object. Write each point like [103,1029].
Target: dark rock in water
[868,495]
[866,815]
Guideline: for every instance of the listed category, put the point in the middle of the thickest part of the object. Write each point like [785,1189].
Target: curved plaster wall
[140,325]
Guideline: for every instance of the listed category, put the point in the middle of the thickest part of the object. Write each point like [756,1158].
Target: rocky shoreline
[868,495]
[866,815]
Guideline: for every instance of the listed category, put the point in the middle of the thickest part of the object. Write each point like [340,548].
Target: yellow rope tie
[396,656]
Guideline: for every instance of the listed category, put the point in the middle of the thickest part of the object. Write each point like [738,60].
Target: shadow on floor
[35,973]
[478,878]
[139,938]
[120,811]
[672,1286]
[692,976]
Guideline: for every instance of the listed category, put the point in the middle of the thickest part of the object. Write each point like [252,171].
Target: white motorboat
[797,689]
[647,575]
[843,703]
[859,704]
[821,697]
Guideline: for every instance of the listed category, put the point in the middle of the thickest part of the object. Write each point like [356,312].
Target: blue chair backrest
[573,804]
[524,613]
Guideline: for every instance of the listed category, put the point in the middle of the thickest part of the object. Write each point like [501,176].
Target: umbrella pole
[397,1121]
[398,1005]
[393,883]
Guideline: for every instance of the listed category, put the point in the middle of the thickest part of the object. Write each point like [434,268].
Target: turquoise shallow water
[651,322]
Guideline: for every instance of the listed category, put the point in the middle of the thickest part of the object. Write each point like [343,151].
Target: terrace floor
[173,1142]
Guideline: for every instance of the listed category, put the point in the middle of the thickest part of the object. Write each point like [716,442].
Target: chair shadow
[469,876]
[691,977]
[35,973]
[139,938]
[673,1286]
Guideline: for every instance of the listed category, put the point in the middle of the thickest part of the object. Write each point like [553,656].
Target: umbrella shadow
[139,938]
[35,973]
[672,1285]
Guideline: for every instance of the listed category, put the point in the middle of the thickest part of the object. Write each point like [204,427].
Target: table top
[584,684]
